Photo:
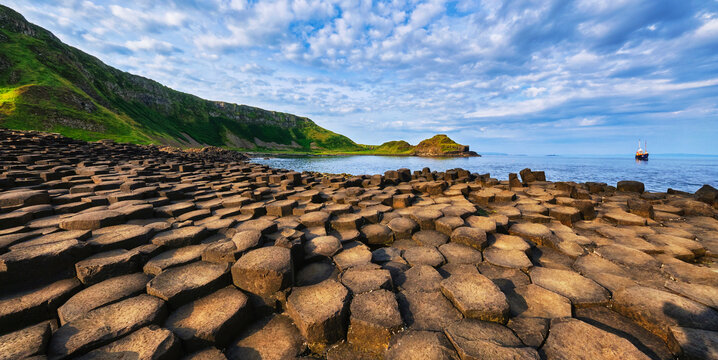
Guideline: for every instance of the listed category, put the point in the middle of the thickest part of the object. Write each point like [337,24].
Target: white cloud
[150,44]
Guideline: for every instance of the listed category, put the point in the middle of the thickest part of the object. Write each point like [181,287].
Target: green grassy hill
[50,86]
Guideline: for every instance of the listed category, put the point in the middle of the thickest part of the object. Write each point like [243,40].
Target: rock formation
[116,250]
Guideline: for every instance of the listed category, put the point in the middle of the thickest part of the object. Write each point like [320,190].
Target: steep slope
[50,86]
[441,145]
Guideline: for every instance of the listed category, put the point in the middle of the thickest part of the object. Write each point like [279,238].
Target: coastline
[155,235]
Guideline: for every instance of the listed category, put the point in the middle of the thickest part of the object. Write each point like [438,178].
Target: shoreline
[106,240]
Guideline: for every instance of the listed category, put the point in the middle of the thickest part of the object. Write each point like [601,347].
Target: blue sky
[534,77]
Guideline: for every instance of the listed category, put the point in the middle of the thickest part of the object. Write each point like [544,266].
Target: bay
[680,172]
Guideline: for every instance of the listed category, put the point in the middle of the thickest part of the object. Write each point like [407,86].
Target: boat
[642,154]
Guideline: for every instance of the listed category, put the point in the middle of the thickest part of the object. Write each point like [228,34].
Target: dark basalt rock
[117,240]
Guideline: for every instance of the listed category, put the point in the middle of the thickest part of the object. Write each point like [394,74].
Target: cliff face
[442,145]
[47,85]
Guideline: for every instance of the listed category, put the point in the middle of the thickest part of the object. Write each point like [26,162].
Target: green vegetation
[440,144]
[49,86]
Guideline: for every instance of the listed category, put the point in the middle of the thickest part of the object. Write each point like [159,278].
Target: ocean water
[686,173]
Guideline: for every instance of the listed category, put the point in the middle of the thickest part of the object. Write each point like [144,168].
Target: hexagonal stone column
[374,319]
[320,312]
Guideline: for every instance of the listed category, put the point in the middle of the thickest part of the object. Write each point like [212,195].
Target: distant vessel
[642,154]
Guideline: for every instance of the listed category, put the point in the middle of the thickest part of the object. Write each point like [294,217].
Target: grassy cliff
[50,86]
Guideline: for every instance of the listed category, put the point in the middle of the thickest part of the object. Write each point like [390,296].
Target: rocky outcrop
[441,146]
[115,250]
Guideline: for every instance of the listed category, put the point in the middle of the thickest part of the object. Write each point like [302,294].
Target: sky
[519,77]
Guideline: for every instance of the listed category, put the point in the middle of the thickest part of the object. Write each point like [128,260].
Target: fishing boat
[642,154]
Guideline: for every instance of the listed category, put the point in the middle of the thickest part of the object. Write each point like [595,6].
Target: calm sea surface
[687,173]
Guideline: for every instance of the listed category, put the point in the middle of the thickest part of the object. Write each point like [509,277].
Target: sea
[660,172]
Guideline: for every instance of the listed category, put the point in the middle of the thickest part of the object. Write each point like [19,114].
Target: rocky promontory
[117,250]
[437,146]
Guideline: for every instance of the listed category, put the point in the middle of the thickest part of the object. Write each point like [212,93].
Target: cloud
[526,75]
[152,45]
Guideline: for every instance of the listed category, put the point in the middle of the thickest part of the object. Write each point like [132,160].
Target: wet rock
[476,297]
[374,319]
[211,320]
[147,343]
[474,339]
[274,337]
[185,283]
[411,344]
[101,294]
[320,312]
[580,290]
[103,325]
[575,339]
[264,271]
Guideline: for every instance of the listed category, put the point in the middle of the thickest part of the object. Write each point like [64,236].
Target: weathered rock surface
[374,319]
[183,284]
[103,325]
[273,337]
[476,297]
[410,345]
[264,271]
[320,312]
[210,320]
[474,339]
[146,343]
[400,265]
[575,339]
[103,293]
